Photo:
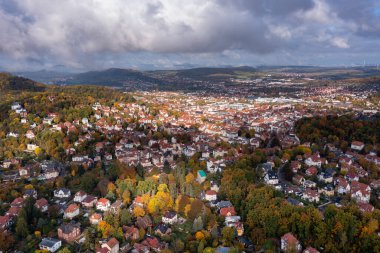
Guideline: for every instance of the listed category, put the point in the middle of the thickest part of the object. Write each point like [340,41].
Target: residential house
[295,166]
[30,135]
[201,176]
[366,207]
[271,178]
[310,250]
[51,173]
[325,177]
[223,203]
[294,202]
[103,204]
[42,204]
[5,222]
[80,196]
[116,206]
[314,160]
[289,243]
[170,217]
[312,171]
[327,190]
[30,193]
[144,222]
[18,202]
[95,218]
[357,145]
[13,211]
[342,186]
[112,246]
[62,193]
[298,179]
[375,184]
[227,211]
[89,201]
[162,229]
[309,184]
[360,192]
[154,244]
[210,195]
[311,195]
[50,244]
[352,176]
[131,233]
[69,232]
[71,211]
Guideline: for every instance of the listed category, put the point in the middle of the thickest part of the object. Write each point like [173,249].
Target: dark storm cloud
[82,33]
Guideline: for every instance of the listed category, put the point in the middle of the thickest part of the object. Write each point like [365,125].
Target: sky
[78,35]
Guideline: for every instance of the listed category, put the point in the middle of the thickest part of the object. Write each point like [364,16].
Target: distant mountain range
[117,77]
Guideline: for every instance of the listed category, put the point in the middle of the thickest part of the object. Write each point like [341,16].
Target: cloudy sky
[158,34]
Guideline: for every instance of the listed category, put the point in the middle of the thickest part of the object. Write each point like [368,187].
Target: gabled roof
[112,242]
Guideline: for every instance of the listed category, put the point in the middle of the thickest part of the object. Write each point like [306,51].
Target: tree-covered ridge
[111,77]
[9,82]
[340,130]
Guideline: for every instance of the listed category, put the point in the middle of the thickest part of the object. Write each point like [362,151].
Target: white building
[50,244]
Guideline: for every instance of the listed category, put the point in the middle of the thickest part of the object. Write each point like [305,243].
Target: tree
[6,241]
[126,197]
[181,203]
[228,235]
[88,182]
[22,230]
[190,178]
[125,217]
[64,250]
[196,208]
[198,224]
[138,211]
[199,236]
[201,247]
[38,151]
[105,229]
[178,246]
[90,239]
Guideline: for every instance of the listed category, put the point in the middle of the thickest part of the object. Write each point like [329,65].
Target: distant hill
[10,82]
[45,76]
[182,78]
[215,73]
[111,77]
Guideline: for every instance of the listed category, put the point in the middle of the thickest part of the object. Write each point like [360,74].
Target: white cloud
[340,42]
[82,33]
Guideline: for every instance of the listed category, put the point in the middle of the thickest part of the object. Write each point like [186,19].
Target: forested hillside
[14,83]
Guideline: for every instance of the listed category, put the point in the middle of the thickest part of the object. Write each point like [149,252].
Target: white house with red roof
[71,211]
[357,145]
[103,204]
[360,192]
[210,195]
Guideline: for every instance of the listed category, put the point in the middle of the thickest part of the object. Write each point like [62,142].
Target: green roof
[202,173]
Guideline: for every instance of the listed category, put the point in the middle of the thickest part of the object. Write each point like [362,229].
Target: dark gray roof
[224,203]
[49,242]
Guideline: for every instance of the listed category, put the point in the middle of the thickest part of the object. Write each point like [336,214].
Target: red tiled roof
[228,210]
[289,238]
[210,192]
[71,208]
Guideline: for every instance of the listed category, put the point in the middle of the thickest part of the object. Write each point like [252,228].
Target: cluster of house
[45,170]
[312,179]
[86,205]
[218,121]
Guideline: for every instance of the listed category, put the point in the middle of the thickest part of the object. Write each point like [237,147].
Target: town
[170,172]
